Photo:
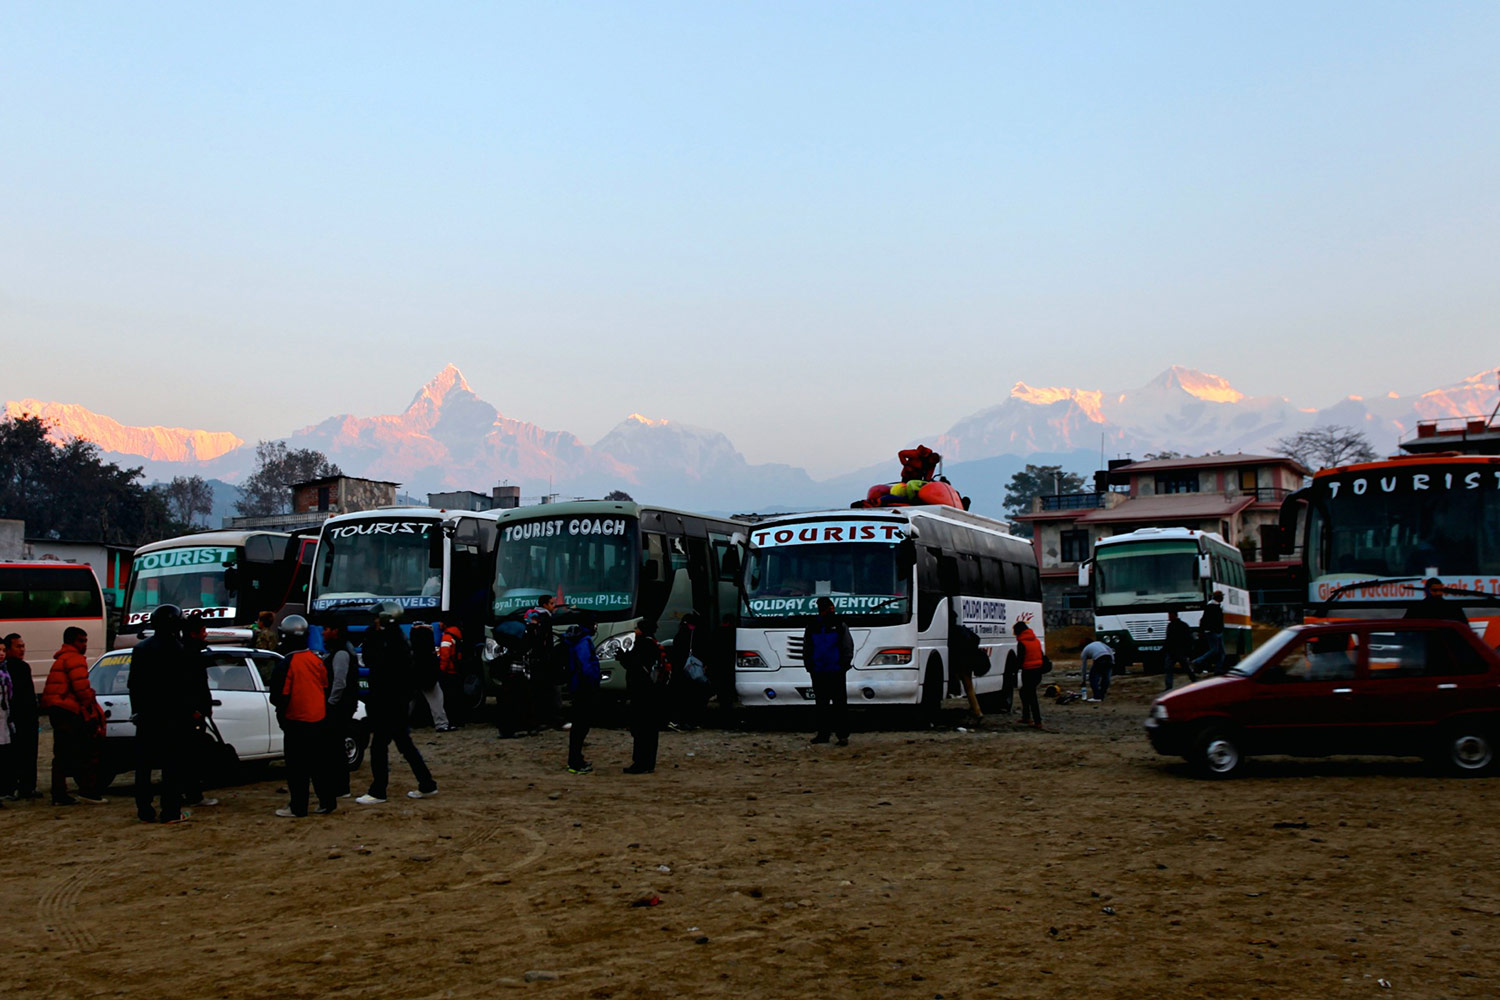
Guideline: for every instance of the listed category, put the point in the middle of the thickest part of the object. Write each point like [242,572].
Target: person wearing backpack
[828,654]
[647,673]
[583,685]
[690,685]
[303,710]
[1033,664]
[451,675]
[388,660]
[541,662]
[428,673]
[966,655]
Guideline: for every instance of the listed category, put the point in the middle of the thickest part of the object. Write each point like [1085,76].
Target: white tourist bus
[898,577]
[1136,578]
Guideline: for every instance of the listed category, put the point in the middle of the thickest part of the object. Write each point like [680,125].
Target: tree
[277,467]
[1034,481]
[1155,456]
[68,491]
[1323,447]
[619,495]
[189,500]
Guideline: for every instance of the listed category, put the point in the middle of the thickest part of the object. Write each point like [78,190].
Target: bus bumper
[865,687]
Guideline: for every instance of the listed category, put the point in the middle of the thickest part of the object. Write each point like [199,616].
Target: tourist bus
[437,564]
[899,577]
[619,563]
[41,600]
[226,577]
[1373,532]
[1136,578]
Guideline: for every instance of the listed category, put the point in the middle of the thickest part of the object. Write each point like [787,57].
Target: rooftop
[1172,507]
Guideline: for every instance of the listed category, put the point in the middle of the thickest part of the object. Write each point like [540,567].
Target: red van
[1377,686]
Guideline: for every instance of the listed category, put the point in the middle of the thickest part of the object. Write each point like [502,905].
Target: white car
[238,681]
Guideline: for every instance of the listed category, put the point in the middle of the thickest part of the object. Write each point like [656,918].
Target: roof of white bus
[411,510]
[581,508]
[224,539]
[1159,534]
[939,512]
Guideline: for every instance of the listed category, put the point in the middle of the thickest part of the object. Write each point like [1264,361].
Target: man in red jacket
[303,711]
[77,721]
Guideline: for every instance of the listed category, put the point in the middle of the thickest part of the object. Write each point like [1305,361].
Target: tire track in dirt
[57,908]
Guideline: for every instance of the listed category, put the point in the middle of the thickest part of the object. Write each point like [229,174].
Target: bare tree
[189,500]
[276,468]
[1323,447]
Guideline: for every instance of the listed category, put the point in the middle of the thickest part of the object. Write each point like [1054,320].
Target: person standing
[688,695]
[583,685]
[77,721]
[1097,663]
[424,663]
[264,632]
[966,655]
[303,712]
[343,700]
[388,659]
[723,648]
[164,683]
[195,644]
[1177,648]
[828,654]
[1032,664]
[646,675]
[24,720]
[1211,629]
[7,755]
[450,675]
[541,646]
[1434,606]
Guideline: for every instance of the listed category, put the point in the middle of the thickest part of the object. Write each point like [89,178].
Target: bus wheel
[932,690]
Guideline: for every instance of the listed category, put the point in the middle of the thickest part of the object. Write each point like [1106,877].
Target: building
[500,498]
[316,500]
[1234,495]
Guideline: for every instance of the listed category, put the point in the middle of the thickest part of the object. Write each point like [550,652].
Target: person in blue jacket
[828,654]
[583,685]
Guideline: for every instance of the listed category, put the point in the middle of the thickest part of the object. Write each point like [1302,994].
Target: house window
[1247,481]
[1177,482]
[1075,546]
[323,497]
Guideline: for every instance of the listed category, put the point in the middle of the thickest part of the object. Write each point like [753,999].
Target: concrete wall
[12,539]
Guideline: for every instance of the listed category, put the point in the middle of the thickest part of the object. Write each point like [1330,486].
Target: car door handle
[1343,690]
[1446,687]
[216,702]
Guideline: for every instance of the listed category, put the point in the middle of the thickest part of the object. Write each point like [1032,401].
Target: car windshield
[363,561]
[191,577]
[1146,573]
[862,579]
[590,562]
[1264,653]
[1404,522]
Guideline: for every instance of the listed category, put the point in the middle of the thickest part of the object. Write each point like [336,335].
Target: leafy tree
[619,495]
[1154,456]
[1034,481]
[189,500]
[1323,447]
[277,467]
[69,491]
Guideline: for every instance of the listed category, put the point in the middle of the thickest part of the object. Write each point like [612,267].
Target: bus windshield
[191,577]
[862,578]
[361,562]
[1146,573]
[589,562]
[1403,523]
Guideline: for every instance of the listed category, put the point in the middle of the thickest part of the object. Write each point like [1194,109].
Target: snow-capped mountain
[450,438]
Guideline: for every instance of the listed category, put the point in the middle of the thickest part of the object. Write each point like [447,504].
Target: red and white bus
[1374,532]
[41,600]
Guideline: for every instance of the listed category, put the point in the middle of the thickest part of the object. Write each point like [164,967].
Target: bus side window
[1015,589]
[994,577]
[1031,583]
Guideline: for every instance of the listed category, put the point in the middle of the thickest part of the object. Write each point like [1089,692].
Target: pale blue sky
[823,228]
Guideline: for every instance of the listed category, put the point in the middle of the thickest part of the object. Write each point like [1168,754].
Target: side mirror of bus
[475,533]
[1205,566]
[729,568]
[906,552]
[435,550]
[1085,573]
[231,577]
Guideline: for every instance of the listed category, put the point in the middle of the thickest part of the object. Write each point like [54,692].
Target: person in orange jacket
[1029,651]
[302,710]
[77,721]
[450,674]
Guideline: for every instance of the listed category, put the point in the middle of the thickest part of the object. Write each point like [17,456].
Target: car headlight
[1159,712]
[891,657]
[611,649]
[491,650]
[749,659]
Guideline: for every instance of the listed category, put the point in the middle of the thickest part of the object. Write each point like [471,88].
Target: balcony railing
[1072,501]
[1268,494]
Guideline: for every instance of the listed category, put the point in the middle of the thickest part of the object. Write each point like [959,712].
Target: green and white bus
[620,563]
[1136,578]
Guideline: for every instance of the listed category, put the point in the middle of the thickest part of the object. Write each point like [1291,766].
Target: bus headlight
[611,649]
[894,657]
[491,650]
[749,659]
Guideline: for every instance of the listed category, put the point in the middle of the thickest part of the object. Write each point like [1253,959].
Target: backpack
[583,662]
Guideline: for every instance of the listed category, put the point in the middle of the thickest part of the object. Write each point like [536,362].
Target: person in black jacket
[165,702]
[1177,648]
[1211,632]
[828,654]
[646,676]
[343,700]
[1434,607]
[24,719]
[688,696]
[387,657]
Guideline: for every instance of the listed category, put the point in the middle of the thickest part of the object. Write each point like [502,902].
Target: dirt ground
[997,863]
